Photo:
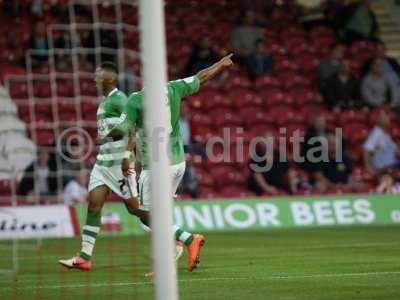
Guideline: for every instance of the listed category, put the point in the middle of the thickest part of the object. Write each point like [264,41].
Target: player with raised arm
[134,117]
[106,175]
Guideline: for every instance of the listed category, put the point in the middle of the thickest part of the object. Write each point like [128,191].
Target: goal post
[152,37]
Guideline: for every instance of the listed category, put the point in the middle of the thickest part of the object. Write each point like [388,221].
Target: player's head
[106,76]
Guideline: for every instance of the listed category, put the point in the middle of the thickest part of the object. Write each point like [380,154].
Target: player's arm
[126,123]
[129,155]
[212,71]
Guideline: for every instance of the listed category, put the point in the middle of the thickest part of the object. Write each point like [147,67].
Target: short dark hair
[109,66]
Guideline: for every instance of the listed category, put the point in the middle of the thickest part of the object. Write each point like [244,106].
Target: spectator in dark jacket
[259,61]
[362,24]
[342,90]
[330,66]
[203,55]
[337,169]
[40,178]
[315,142]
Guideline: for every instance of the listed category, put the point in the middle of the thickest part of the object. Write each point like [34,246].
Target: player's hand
[226,61]
[126,167]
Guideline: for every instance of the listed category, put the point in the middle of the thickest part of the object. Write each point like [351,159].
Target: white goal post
[152,36]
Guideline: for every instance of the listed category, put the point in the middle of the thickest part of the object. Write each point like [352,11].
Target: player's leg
[194,242]
[97,197]
[144,199]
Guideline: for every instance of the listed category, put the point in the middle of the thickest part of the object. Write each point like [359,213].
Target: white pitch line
[273,277]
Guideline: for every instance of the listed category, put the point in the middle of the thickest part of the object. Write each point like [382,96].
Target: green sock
[89,234]
[183,236]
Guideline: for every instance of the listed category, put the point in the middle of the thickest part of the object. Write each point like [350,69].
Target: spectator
[337,169]
[391,68]
[259,61]
[342,90]
[76,190]
[203,55]
[39,177]
[245,35]
[362,23]
[189,183]
[380,152]
[376,88]
[73,160]
[388,185]
[314,142]
[268,174]
[38,42]
[191,144]
[37,8]
[330,66]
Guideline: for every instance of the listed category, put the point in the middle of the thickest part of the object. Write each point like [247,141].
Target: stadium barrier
[263,213]
[41,221]
[58,221]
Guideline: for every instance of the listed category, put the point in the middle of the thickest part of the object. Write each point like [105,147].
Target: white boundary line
[273,277]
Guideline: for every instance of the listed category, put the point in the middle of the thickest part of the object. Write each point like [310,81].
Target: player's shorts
[113,178]
[177,171]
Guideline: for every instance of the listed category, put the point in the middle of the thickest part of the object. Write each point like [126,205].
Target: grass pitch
[341,263]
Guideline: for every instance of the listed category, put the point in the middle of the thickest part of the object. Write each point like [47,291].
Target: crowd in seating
[306,76]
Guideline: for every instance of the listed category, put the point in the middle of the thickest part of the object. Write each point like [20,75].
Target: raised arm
[212,71]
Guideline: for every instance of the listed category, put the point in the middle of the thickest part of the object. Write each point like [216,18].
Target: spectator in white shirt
[76,190]
[380,151]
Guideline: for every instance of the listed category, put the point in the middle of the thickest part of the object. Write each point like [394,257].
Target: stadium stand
[58,92]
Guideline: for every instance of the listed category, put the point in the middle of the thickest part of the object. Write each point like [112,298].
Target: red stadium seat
[44,137]
[209,193]
[224,175]
[291,80]
[209,99]
[200,119]
[18,89]
[303,96]
[236,80]
[67,110]
[283,115]
[41,89]
[254,116]
[307,63]
[266,82]
[241,97]
[234,191]
[356,132]
[204,178]
[203,134]
[351,115]
[65,88]
[274,98]
[225,117]
[284,65]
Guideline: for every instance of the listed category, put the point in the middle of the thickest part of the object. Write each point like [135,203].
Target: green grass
[344,263]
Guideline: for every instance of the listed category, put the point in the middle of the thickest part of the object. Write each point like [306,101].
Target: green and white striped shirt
[108,115]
